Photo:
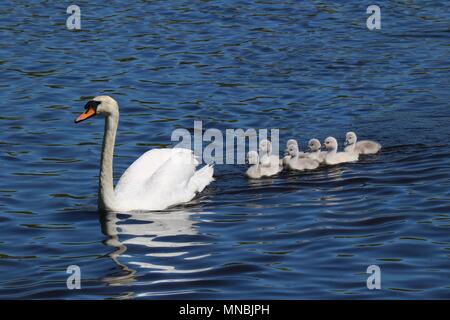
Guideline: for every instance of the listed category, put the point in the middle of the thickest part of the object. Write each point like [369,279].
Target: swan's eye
[92,104]
[90,110]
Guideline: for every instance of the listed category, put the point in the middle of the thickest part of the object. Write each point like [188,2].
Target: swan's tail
[202,178]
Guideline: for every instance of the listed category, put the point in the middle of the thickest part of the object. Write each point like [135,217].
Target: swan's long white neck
[106,195]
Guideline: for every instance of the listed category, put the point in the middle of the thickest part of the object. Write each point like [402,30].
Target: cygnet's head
[252,157]
[314,145]
[288,144]
[293,150]
[350,138]
[265,146]
[291,141]
[102,105]
[330,144]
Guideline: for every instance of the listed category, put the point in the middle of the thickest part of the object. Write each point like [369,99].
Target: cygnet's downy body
[287,156]
[334,157]
[360,147]
[300,164]
[315,152]
[256,170]
[269,162]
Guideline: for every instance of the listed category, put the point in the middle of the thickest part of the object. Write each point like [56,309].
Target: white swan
[315,152]
[159,179]
[335,157]
[267,160]
[296,163]
[361,147]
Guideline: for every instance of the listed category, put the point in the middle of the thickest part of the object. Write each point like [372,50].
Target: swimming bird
[333,156]
[287,156]
[159,179]
[268,160]
[361,147]
[256,170]
[315,152]
[300,164]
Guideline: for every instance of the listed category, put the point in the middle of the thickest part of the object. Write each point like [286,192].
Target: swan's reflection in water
[156,242]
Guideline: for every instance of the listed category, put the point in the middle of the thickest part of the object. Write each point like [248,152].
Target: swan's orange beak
[90,112]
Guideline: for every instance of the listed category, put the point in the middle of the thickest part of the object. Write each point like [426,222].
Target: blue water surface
[307,68]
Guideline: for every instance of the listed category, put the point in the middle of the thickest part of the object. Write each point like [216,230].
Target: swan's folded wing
[143,168]
[174,173]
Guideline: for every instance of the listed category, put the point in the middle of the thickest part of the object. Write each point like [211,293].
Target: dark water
[309,68]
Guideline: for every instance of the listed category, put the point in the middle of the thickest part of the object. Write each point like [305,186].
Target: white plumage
[159,179]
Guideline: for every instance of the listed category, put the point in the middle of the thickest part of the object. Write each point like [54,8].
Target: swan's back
[143,168]
[161,178]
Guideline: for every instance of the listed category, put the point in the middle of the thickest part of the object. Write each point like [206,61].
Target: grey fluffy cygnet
[334,157]
[300,164]
[256,170]
[267,159]
[360,147]
[315,152]
[287,156]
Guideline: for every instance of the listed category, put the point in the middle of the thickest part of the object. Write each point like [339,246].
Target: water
[309,68]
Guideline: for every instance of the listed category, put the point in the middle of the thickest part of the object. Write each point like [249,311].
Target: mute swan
[267,160]
[334,157]
[256,170]
[160,178]
[296,163]
[315,152]
[361,147]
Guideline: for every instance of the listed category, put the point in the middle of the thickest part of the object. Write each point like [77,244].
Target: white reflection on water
[152,232]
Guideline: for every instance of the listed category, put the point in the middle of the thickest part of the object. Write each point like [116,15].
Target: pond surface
[307,68]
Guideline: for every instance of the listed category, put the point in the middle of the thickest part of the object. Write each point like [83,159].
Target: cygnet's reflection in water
[153,242]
